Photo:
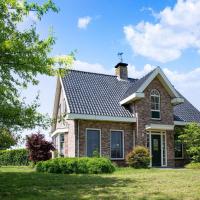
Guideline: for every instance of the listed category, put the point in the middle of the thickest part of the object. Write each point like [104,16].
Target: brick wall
[105,135]
[143,109]
[170,149]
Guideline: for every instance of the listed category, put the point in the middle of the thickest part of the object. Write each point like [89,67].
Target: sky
[150,33]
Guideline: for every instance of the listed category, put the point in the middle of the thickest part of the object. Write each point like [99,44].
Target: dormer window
[155,104]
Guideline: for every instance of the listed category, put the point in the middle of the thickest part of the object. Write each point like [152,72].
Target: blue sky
[150,33]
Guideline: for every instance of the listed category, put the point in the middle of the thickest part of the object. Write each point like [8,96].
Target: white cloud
[83,22]
[187,83]
[178,28]
[89,67]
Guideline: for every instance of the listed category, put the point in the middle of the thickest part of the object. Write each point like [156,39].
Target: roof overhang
[176,101]
[60,130]
[159,127]
[133,97]
[165,82]
[100,118]
[180,123]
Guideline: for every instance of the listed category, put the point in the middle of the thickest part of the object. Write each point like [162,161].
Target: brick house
[111,114]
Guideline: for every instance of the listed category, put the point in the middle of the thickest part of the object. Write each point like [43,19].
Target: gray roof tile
[100,94]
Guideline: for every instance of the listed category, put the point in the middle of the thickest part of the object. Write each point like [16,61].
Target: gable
[137,91]
[60,104]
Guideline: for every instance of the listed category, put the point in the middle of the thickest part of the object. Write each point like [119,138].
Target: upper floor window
[155,104]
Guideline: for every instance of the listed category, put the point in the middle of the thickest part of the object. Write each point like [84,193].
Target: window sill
[116,158]
[181,158]
[157,119]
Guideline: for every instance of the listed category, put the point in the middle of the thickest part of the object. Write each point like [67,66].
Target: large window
[117,148]
[155,104]
[93,142]
[178,147]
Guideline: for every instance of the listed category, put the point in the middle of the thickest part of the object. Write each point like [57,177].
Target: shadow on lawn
[57,186]
[40,186]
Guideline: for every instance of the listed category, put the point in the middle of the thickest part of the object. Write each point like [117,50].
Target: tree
[39,149]
[7,139]
[191,139]
[23,56]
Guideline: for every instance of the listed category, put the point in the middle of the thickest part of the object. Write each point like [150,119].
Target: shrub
[76,165]
[39,149]
[14,157]
[190,136]
[139,157]
[193,165]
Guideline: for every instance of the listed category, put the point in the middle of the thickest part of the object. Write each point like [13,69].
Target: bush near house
[139,157]
[190,137]
[76,166]
[14,157]
[193,165]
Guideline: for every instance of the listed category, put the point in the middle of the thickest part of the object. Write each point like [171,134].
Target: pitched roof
[96,94]
[133,88]
[186,112]
[100,94]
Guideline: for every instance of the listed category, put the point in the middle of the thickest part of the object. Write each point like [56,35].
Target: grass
[153,184]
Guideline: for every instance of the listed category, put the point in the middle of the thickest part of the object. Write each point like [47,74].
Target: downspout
[136,135]
[78,140]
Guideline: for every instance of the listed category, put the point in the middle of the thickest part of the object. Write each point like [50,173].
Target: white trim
[180,123]
[60,130]
[100,117]
[176,101]
[161,133]
[65,96]
[157,71]
[166,83]
[122,131]
[133,97]
[159,127]
[86,140]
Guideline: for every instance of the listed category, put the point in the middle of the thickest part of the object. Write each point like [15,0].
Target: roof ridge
[149,73]
[99,73]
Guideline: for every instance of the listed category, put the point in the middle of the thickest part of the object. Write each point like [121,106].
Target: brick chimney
[121,71]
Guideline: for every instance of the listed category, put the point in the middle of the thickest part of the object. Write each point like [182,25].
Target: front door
[156,150]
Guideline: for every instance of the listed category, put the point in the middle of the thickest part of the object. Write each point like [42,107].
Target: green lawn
[23,183]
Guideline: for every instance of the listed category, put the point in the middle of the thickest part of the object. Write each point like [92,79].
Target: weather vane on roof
[120,54]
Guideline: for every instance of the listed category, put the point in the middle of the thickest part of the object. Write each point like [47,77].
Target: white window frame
[152,110]
[161,133]
[122,131]
[86,140]
[60,144]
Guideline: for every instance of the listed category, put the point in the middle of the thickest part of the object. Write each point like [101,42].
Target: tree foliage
[39,149]
[23,56]
[191,139]
[7,139]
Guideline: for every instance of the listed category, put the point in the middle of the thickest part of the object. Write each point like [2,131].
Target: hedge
[14,157]
[76,166]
